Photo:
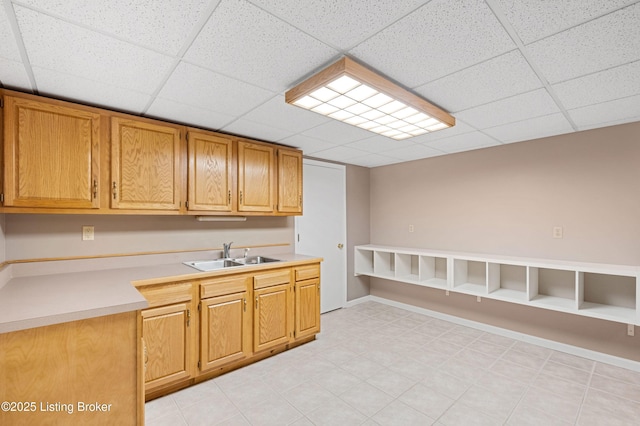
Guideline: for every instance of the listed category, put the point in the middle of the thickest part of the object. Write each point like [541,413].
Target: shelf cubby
[470,276]
[384,264]
[555,288]
[363,262]
[433,271]
[407,267]
[507,282]
[608,296]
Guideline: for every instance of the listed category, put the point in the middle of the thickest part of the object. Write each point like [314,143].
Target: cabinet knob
[340,245]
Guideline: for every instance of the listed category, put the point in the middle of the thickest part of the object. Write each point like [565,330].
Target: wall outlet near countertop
[87,233]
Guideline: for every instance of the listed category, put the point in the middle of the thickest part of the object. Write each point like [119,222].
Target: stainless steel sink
[256,260]
[212,265]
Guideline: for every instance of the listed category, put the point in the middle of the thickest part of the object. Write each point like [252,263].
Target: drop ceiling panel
[337,132]
[373,160]
[13,75]
[276,110]
[608,113]
[497,78]
[534,128]
[614,83]
[342,24]
[202,88]
[380,144]
[536,19]
[161,25]
[438,39]
[308,145]
[187,114]
[8,47]
[516,108]
[84,90]
[413,152]
[244,41]
[255,130]
[63,47]
[606,42]
[340,153]
[459,129]
[466,142]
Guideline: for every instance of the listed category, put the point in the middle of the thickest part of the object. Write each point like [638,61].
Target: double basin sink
[212,265]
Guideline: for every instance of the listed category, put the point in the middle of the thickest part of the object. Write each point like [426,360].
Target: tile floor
[375,364]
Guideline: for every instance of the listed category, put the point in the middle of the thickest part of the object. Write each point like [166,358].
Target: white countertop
[46,299]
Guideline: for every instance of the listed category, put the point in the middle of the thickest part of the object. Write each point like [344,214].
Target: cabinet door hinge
[188,317]
[199,365]
[2,198]
[1,102]
[186,204]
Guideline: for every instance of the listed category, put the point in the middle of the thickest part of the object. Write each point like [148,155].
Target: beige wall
[358,224]
[29,236]
[506,200]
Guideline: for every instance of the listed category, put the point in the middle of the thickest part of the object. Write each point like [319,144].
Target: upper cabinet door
[256,177]
[289,181]
[210,172]
[145,165]
[52,155]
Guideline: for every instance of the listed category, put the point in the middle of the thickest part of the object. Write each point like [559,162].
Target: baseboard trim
[550,344]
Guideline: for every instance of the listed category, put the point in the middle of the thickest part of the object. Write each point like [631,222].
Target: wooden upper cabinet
[289,181]
[256,177]
[210,180]
[52,155]
[145,165]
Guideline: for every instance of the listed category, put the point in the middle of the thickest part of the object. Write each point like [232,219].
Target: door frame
[343,171]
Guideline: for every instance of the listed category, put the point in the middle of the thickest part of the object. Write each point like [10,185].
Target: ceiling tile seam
[464,68]
[596,72]
[15,28]
[183,50]
[92,29]
[586,21]
[499,14]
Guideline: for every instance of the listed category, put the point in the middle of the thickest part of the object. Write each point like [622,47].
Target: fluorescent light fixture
[354,94]
[221,218]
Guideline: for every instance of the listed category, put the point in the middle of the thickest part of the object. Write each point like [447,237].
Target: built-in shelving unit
[609,292]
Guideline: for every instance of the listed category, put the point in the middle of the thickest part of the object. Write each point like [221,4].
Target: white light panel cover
[355,101]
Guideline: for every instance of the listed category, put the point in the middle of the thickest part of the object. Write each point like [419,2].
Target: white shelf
[604,291]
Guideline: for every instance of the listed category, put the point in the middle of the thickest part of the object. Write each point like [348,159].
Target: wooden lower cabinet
[166,332]
[225,321]
[243,317]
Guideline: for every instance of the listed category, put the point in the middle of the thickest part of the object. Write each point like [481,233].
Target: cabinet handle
[240,197]
[229,196]
[256,302]
[188,317]
[95,188]
[300,203]
[245,304]
[115,191]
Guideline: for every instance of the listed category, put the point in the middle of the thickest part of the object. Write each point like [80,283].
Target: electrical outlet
[479,299]
[87,233]
[557,232]
[410,228]
[446,292]
[631,330]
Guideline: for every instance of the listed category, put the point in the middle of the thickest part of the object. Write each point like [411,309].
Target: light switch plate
[87,233]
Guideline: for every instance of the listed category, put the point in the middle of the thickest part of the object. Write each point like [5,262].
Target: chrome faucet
[225,250]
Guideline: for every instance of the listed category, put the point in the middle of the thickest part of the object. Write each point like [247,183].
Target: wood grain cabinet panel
[225,330]
[307,308]
[145,165]
[168,338]
[210,183]
[289,181]
[256,177]
[272,317]
[52,155]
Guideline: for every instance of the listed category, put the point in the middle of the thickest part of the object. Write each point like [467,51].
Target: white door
[321,230]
